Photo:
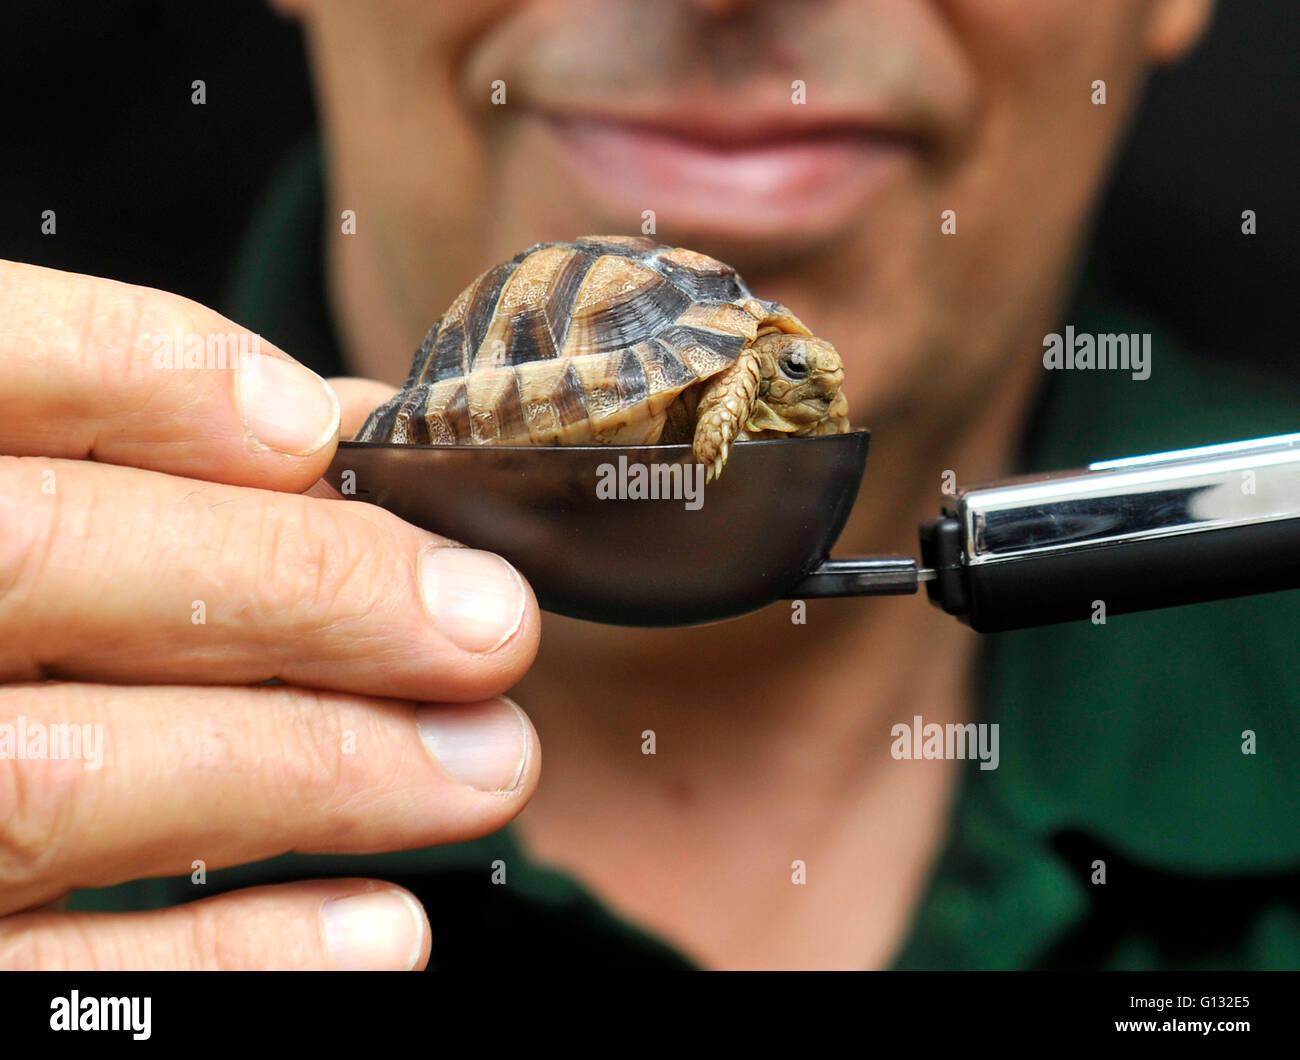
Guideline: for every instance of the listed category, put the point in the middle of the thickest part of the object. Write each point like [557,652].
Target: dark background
[149,188]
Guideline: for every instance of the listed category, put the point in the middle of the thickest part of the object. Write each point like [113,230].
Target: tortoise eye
[795,367]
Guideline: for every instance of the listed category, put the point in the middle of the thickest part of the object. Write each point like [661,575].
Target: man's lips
[729,179]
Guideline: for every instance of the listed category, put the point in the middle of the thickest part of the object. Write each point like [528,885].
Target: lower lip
[782,187]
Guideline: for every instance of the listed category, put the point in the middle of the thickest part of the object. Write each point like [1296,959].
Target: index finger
[92,368]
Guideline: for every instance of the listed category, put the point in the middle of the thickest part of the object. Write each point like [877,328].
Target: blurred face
[912,177]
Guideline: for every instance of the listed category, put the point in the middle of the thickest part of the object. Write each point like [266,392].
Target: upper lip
[714,127]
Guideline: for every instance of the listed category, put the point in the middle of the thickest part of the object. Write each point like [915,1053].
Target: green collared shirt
[1120,744]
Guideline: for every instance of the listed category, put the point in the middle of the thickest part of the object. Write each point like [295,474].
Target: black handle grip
[1128,576]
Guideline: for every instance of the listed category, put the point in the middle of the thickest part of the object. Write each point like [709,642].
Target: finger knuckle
[46,541]
[23,949]
[38,799]
[29,517]
[16,951]
[212,937]
[317,562]
[245,933]
[306,730]
[54,942]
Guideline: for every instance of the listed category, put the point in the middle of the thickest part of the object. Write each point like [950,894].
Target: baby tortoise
[615,340]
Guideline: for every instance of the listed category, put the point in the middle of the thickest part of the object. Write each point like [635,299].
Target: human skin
[135,500]
[165,496]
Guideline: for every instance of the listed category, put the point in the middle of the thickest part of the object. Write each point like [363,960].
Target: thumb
[358,398]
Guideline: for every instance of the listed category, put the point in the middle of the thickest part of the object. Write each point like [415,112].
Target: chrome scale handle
[1134,534]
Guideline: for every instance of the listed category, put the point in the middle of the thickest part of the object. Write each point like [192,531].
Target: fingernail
[379,931]
[483,745]
[286,406]
[476,599]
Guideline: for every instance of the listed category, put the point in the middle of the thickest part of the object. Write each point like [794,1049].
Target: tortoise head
[800,389]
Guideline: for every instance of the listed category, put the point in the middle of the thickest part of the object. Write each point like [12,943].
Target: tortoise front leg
[726,401]
[679,419]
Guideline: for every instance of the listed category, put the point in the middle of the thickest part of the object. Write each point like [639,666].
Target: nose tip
[830,382]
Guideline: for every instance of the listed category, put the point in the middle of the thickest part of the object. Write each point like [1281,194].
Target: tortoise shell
[576,343]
